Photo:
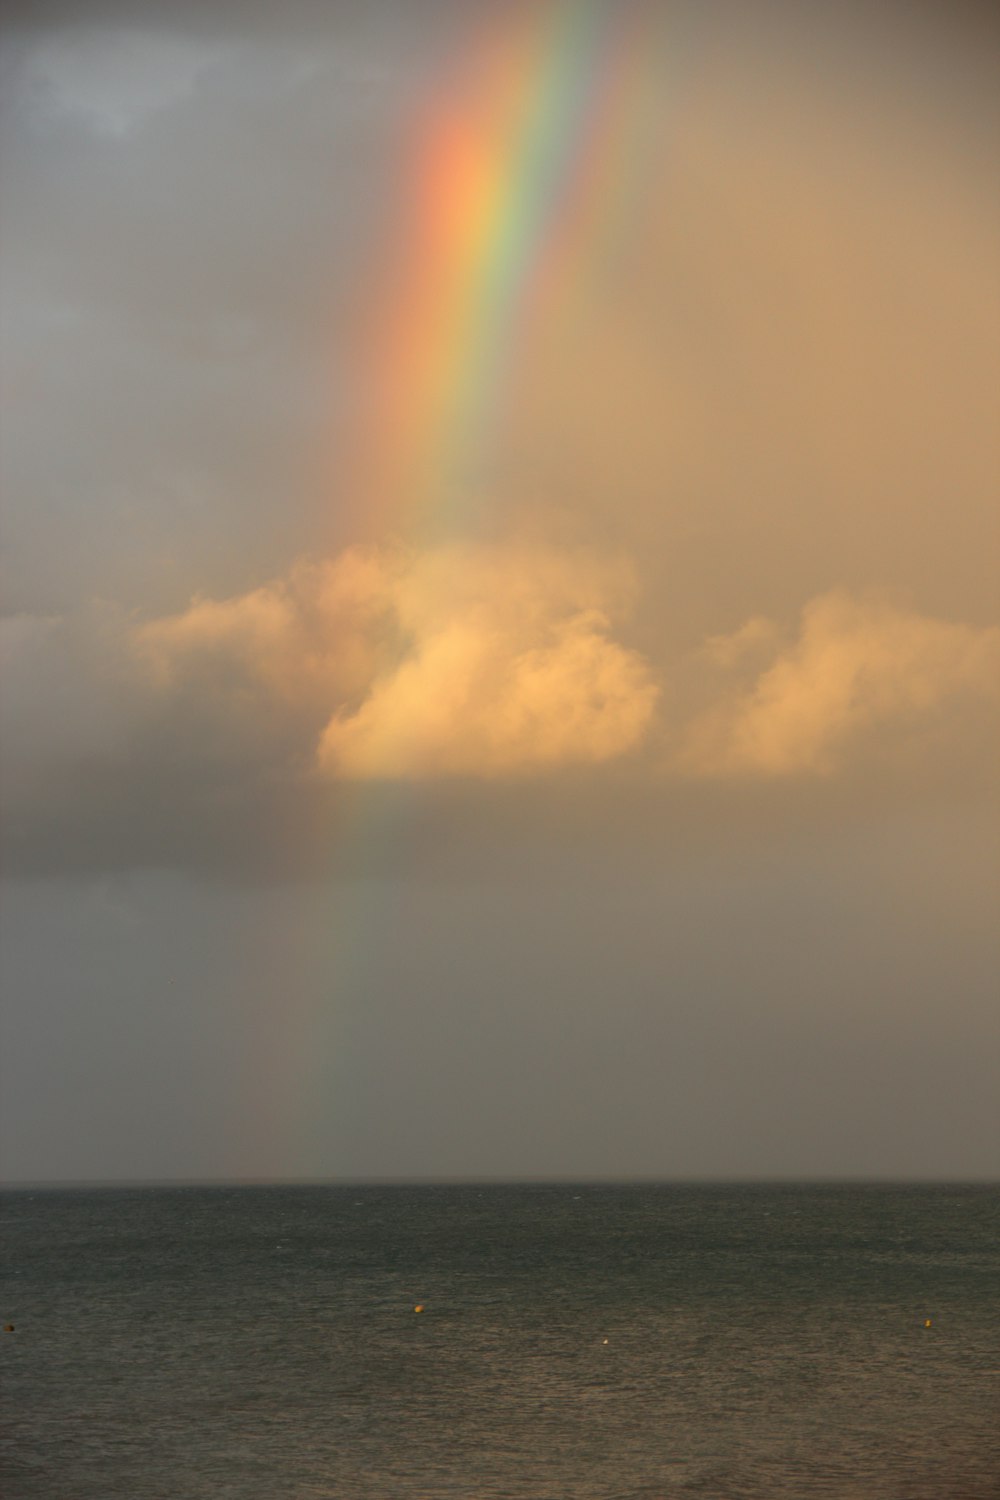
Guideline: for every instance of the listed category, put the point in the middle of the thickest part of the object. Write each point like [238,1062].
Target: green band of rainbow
[513,191]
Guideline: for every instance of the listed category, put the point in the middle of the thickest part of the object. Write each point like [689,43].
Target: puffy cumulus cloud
[226,737]
[463,661]
[459,661]
[857,668]
[508,666]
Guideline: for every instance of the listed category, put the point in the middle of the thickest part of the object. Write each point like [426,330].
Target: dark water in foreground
[652,1341]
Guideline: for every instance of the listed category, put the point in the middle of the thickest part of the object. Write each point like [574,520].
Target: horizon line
[18,1184]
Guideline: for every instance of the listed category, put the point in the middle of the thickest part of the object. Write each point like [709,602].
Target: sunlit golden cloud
[483,692]
[491,663]
[855,667]
[505,661]
[468,661]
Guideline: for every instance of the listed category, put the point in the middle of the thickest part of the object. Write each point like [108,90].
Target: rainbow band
[516,193]
[512,194]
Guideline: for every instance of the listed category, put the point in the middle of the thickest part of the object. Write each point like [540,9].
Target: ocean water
[766,1342]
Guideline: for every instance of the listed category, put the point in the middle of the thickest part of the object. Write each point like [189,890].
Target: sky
[500,626]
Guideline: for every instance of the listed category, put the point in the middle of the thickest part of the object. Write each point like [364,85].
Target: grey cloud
[781,383]
[177,302]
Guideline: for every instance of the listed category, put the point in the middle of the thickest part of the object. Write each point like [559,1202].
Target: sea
[580,1341]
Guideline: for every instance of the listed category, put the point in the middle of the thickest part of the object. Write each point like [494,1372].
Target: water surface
[738,1342]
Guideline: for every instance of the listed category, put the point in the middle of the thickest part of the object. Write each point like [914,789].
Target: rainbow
[513,193]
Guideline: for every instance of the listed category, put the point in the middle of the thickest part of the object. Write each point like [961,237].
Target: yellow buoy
[419,1307]
[927,1322]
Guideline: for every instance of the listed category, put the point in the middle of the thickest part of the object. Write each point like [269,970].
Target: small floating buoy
[927,1322]
[419,1307]
[8,1328]
[604,1341]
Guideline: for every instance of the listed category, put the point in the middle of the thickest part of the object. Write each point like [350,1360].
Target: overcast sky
[473,710]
